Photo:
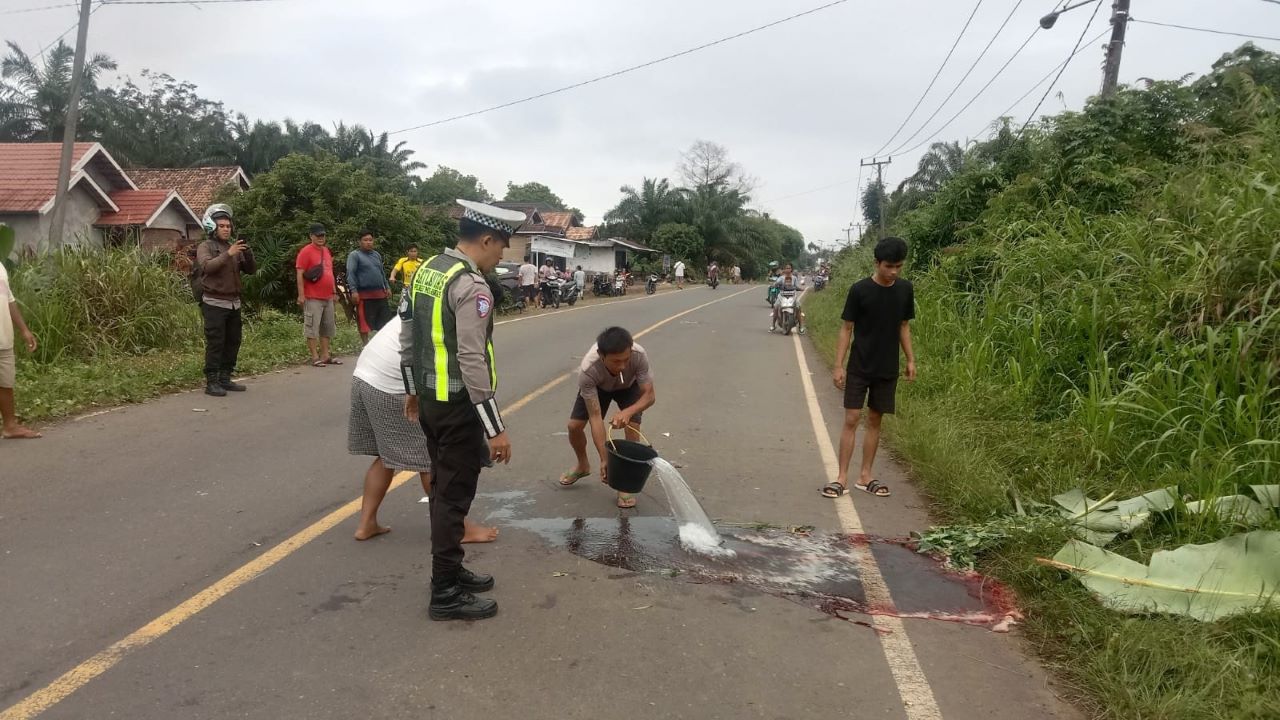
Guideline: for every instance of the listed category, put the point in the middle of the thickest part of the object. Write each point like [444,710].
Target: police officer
[450,379]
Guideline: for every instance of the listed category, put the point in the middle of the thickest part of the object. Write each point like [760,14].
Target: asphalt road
[112,521]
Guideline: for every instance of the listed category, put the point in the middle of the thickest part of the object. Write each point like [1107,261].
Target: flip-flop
[626,501]
[873,488]
[833,490]
[572,477]
[333,361]
[317,363]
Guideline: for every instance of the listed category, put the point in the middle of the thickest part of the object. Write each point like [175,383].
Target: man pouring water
[615,369]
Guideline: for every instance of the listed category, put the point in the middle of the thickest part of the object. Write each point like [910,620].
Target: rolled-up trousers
[458,449]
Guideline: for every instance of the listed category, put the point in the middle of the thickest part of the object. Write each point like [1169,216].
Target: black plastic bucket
[629,465]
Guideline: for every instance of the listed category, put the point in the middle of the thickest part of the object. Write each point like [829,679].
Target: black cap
[316,229]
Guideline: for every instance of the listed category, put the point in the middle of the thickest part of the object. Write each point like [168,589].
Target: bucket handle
[632,427]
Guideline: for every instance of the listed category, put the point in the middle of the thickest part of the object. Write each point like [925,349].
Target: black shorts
[876,393]
[530,292]
[625,398]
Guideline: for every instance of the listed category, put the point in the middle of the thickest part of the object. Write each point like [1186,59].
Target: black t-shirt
[877,312]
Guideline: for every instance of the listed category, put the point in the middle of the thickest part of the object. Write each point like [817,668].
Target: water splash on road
[696,532]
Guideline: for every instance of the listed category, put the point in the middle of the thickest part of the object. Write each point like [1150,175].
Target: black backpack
[196,277]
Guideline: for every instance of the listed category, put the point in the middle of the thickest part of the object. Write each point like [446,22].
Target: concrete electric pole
[69,133]
[879,165]
[1111,68]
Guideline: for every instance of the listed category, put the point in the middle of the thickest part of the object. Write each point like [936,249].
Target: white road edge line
[917,696]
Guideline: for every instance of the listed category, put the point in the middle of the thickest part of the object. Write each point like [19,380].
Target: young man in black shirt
[876,316]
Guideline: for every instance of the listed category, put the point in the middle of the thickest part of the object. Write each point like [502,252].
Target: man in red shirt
[314,268]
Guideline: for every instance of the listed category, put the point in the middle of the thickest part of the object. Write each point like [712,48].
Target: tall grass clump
[86,303]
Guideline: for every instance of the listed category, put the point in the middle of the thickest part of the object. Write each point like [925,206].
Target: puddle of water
[696,532]
[820,571]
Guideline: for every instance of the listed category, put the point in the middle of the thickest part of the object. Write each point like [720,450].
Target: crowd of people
[423,391]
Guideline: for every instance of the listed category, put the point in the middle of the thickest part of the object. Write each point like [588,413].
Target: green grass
[967,452]
[47,391]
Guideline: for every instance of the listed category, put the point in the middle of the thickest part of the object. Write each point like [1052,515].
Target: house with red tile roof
[198,186]
[104,206]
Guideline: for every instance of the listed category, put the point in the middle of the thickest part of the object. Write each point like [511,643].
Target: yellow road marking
[79,676]
[917,696]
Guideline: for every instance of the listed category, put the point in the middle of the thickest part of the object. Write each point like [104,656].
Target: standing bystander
[314,273]
[877,313]
[529,282]
[406,266]
[679,270]
[10,318]
[368,286]
[220,262]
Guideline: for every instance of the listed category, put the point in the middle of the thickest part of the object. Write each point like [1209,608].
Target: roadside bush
[87,303]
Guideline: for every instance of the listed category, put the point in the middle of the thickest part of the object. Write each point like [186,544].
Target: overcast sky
[797,105]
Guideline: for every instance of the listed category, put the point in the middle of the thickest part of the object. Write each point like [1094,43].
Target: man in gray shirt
[615,369]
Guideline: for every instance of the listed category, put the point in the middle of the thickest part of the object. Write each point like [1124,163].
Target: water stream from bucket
[697,534]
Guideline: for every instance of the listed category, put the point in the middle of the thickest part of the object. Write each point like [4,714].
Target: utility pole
[69,132]
[1111,68]
[879,165]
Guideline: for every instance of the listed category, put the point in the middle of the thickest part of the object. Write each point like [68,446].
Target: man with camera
[220,262]
[314,269]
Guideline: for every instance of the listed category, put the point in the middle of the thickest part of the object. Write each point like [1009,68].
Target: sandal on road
[875,487]
[626,501]
[572,477]
[333,361]
[833,490]
[317,363]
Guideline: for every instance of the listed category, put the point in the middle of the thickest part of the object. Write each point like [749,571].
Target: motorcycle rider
[788,280]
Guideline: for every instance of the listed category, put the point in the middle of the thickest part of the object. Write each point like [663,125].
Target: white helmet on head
[211,216]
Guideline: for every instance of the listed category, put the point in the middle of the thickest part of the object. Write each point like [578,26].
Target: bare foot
[479,533]
[18,432]
[366,533]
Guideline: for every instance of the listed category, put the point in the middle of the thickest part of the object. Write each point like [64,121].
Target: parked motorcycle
[651,285]
[570,291]
[602,285]
[787,309]
[551,292]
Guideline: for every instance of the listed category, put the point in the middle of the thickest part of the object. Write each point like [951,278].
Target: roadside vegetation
[1099,307]
[119,326]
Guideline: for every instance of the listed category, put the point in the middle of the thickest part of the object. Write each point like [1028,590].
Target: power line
[976,95]
[1207,30]
[1044,79]
[1063,69]
[616,73]
[945,60]
[74,25]
[19,11]
[967,73]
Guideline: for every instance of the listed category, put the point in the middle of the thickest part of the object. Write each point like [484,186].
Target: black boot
[225,381]
[451,602]
[213,386]
[472,582]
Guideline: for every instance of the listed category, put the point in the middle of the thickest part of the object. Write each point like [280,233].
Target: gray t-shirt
[593,376]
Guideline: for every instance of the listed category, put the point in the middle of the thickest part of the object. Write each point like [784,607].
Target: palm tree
[34,98]
[943,161]
[640,212]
